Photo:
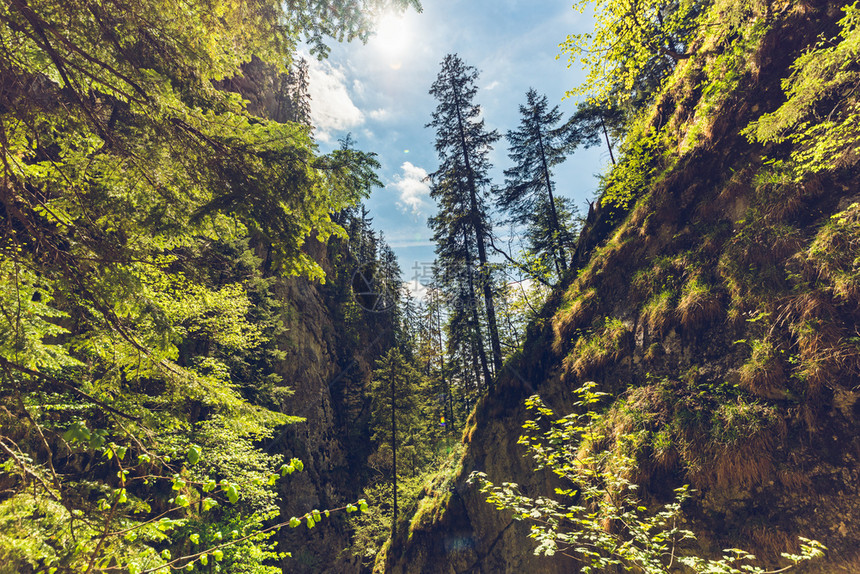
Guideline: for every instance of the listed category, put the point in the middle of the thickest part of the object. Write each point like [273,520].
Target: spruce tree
[538,145]
[593,122]
[395,392]
[455,247]
[298,98]
[463,144]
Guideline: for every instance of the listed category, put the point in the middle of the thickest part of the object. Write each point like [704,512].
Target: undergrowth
[599,518]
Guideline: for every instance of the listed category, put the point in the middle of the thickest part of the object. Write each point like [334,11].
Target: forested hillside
[167,343]
[209,361]
[697,367]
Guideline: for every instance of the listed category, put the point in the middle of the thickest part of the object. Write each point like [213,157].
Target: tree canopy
[634,45]
[463,144]
[137,325]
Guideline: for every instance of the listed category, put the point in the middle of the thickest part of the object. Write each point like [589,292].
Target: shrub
[599,520]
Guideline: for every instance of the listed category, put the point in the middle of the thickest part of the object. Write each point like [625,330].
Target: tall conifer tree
[455,247]
[536,146]
[463,144]
[298,95]
[395,391]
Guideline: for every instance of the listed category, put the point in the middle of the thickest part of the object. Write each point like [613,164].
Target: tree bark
[558,249]
[394,462]
[606,135]
[479,236]
[473,300]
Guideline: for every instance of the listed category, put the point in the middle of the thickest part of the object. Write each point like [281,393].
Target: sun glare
[392,39]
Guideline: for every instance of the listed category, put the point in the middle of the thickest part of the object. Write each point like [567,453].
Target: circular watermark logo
[371,293]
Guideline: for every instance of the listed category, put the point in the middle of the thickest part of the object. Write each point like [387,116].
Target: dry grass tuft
[661,274]
[733,445]
[720,441]
[572,316]
[754,259]
[779,196]
[606,261]
[833,258]
[744,465]
[793,480]
[657,313]
[635,430]
[828,352]
[763,374]
[769,541]
[698,305]
[608,343]
[653,351]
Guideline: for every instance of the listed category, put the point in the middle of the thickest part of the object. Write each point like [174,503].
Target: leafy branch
[600,521]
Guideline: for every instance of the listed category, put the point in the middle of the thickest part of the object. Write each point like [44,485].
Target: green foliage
[372,527]
[633,46]
[30,322]
[420,496]
[735,29]
[752,262]
[635,172]
[370,530]
[734,422]
[117,523]
[597,518]
[138,329]
[821,115]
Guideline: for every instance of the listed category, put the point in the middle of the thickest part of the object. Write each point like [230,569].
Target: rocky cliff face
[326,364]
[327,371]
[720,311]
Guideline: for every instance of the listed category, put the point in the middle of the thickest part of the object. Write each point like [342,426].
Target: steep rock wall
[327,371]
[731,335]
[326,364]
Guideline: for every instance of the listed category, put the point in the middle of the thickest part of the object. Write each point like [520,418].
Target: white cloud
[412,188]
[379,115]
[492,85]
[332,108]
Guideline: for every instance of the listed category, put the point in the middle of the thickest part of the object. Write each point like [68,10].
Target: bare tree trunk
[606,135]
[394,462]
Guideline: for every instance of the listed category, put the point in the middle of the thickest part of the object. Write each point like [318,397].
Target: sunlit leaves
[601,522]
[633,46]
[133,310]
[28,320]
[822,113]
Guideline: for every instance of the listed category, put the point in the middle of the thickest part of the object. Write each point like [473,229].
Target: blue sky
[379,92]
